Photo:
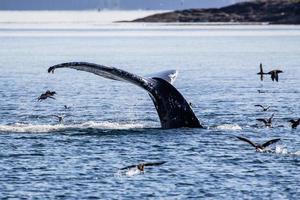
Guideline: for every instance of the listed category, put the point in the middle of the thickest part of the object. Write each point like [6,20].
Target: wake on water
[46,128]
[233,127]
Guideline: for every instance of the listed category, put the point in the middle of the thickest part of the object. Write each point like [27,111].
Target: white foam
[229,127]
[297,153]
[127,173]
[133,172]
[279,149]
[44,128]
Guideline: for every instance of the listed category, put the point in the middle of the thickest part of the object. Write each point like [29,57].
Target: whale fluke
[172,108]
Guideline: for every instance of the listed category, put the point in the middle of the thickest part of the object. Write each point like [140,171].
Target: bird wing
[261,72]
[56,116]
[128,167]
[272,76]
[154,163]
[276,76]
[270,142]
[262,120]
[270,119]
[261,68]
[246,140]
[258,105]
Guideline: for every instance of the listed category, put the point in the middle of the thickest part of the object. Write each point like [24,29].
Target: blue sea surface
[112,124]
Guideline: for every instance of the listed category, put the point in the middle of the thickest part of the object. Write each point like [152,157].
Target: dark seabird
[67,107]
[261,73]
[263,108]
[274,74]
[47,94]
[259,147]
[261,91]
[172,108]
[60,118]
[267,122]
[140,167]
[295,123]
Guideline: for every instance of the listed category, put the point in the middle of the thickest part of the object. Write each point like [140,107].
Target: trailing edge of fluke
[172,108]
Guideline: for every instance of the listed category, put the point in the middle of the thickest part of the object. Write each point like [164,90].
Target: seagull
[140,167]
[261,73]
[60,118]
[67,107]
[295,123]
[259,147]
[263,108]
[274,74]
[47,94]
[267,122]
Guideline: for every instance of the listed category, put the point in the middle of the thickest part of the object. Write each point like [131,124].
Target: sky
[111,4]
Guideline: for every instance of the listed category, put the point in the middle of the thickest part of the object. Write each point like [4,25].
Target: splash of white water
[229,127]
[44,128]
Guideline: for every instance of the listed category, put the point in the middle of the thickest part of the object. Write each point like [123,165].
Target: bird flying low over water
[259,147]
[295,123]
[267,122]
[67,107]
[47,94]
[263,108]
[172,108]
[60,118]
[140,167]
[274,74]
[261,72]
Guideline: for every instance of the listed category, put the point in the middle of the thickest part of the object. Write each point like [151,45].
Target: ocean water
[111,124]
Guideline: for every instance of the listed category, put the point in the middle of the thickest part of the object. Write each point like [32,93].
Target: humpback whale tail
[172,108]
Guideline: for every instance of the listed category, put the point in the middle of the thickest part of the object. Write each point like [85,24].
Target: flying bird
[259,147]
[263,108]
[267,122]
[140,167]
[274,74]
[47,94]
[60,118]
[67,107]
[261,72]
[295,123]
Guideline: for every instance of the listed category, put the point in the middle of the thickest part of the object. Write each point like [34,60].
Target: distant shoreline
[261,11]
